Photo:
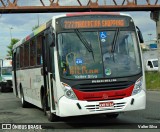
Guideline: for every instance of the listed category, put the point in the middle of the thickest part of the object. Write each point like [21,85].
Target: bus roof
[47,24]
[95,13]
[34,33]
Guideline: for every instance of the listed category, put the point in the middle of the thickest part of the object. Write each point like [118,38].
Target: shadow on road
[91,121]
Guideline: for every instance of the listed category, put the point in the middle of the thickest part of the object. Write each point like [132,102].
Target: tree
[10,46]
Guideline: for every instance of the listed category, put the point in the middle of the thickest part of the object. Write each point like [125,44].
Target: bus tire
[43,105]
[23,102]
[112,116]
[52,117]
[2,89]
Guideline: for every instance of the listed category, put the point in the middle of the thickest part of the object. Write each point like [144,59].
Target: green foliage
[35,27]
[143,50]
[10,46]
[153,80]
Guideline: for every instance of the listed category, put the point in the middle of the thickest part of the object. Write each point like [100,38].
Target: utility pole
[38,19]
[10,32]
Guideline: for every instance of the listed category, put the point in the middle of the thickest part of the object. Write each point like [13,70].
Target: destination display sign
[93,22]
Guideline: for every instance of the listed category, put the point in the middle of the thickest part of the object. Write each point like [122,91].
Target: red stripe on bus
[104,95]
[92,13]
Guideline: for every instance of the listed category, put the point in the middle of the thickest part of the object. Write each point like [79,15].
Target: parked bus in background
[6,75]
[81,64]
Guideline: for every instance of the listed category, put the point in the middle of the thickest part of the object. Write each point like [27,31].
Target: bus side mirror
[140,35]
[50,36]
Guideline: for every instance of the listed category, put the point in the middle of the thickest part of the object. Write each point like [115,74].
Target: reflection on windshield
[6,70]
[124,61]
[77,62]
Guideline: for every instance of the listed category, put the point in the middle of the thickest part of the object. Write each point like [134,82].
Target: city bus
[81,64]
[6,75]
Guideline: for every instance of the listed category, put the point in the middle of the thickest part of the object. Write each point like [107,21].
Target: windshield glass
[106,54]
[6,70]
[76,61]
[121,58]
[155,63]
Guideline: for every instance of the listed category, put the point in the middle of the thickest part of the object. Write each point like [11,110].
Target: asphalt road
[12,112]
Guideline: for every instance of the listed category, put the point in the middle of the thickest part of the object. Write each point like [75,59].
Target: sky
[22,25]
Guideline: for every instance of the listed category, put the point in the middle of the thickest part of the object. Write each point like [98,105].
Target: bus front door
[49,65]
[51,75]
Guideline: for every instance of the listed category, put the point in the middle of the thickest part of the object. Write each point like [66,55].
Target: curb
[153,89]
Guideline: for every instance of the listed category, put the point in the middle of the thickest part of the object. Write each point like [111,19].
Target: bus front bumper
[68,107]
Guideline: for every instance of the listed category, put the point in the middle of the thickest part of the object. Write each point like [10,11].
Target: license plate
[106,104]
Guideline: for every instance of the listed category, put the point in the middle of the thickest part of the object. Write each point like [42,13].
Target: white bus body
[65,74]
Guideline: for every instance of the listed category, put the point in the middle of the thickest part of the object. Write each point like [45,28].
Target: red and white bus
[81,64]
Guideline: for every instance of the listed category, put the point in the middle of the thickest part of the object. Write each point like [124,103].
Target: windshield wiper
[85,42]
[114,42]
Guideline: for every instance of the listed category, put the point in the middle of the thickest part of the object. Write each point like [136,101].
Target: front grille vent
[93,87]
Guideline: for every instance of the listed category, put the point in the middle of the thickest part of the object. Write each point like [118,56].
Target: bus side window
[33,52]
[150,64]
[21,57]
[39,50]
[17,58]
[26,54]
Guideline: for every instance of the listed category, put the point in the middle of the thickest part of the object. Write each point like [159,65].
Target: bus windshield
[6,70]
[106,54]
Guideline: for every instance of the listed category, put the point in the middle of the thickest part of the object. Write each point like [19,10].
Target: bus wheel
[24,103]
[52,117]
[44,105]
[1,88]
[112,116]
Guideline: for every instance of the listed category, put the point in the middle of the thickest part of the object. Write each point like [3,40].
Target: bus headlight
[68,92]
[137,86]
